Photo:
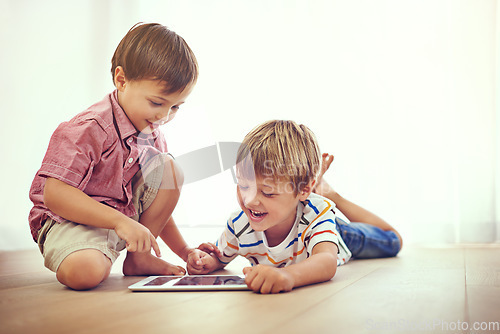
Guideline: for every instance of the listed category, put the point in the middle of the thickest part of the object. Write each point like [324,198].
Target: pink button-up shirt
[98,152]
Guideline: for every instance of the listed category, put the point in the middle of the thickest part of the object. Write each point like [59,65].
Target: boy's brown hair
[152,51]
[282,150]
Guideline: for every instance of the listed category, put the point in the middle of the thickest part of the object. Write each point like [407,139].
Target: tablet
[191,283]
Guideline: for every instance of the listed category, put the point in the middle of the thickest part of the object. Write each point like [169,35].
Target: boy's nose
[251,199]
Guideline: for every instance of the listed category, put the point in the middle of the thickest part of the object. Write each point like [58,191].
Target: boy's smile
[256,215]
[270,206]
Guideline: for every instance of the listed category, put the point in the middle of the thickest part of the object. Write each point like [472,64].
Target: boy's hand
[267,279]
[200,262]
[210,248]
[137,236]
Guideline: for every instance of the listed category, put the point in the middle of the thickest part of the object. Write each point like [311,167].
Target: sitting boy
[107,182]
[290,235]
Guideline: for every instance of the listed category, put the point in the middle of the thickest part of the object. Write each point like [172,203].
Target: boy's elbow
[331,268]
[47,193]
[326,253]
[50,193]
[328,267]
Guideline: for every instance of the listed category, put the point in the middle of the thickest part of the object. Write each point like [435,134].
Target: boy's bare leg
[322,187]
[84,269]
[352,211]
[156,218]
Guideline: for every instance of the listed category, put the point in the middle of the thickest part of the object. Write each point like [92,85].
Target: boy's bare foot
[322,187]
[145,264]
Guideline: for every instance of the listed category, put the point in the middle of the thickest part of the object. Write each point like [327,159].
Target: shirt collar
[125,126]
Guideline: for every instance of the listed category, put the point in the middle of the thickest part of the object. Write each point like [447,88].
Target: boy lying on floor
[287,227]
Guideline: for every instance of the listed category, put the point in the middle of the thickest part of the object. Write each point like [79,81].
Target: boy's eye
[267,195]
[242,187]
[154,104]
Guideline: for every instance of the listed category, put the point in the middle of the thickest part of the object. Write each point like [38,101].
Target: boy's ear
[307,190]
[120,79]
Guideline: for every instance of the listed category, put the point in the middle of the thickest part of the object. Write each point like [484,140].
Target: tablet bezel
[170,285]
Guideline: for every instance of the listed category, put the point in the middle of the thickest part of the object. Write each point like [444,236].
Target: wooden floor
[423,290]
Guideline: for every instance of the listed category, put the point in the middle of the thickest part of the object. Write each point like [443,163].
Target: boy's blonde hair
[152,51]
[282,150]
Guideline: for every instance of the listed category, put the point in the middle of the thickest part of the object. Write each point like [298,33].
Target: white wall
[401,92]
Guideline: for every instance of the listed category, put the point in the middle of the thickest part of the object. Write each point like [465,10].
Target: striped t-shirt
[314,223]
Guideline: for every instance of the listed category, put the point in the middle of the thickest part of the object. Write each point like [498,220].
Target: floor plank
[483,288]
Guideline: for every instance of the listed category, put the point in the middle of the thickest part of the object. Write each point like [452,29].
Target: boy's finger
[247,270]
[211,248]
[254,282]
[216,250]
[131,247]
[155,246]
[145,246]
[197,259]
[206,247]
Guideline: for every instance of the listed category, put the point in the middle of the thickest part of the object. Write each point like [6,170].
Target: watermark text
[432,325]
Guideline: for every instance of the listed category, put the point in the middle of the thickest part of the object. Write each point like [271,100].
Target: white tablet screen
[210,280]
[191,282]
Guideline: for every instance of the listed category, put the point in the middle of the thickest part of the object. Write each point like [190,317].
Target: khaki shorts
[57,240]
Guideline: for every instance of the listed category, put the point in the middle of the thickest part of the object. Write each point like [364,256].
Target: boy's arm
[174,240]
[319,267]
[73,204]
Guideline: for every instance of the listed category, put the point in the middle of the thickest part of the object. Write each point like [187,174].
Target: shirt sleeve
[228,243]
[74,149]
[322,230]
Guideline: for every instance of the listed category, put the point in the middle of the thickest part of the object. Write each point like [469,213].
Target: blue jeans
[367,241]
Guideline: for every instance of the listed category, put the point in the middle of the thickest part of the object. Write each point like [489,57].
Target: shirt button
[130,140]
[130,160]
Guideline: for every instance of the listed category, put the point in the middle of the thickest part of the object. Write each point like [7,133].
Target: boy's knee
[400,245]
[173,176]
[395,246]
[84,270]
[400,240]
